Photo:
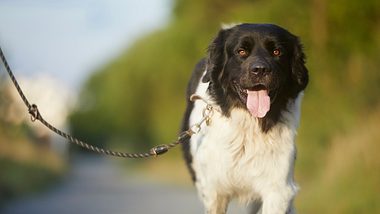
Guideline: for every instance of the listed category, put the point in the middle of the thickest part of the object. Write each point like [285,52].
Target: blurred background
[114,73]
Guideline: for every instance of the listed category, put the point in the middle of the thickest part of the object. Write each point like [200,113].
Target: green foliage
[21,178]
[138,99]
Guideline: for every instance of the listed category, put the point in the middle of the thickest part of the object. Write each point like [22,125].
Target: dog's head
[258,67]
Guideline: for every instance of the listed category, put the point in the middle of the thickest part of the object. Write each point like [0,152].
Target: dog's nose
[259,68]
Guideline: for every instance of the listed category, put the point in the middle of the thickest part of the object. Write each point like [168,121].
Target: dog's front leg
[279,202]
[213,202]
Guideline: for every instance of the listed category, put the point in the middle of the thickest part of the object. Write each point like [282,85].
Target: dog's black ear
[300,74]
[216,56]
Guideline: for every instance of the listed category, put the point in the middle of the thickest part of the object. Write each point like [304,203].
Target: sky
[67,40]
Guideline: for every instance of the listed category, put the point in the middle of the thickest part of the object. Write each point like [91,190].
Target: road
[100,186]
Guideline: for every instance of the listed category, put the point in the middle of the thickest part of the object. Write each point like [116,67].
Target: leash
[155,151]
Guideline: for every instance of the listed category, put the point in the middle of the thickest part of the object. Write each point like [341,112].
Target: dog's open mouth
[256,98]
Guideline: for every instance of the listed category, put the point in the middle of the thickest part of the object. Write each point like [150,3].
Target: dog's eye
[276,52]
[242,52]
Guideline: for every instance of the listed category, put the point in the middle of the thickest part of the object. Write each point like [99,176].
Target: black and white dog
[254,76]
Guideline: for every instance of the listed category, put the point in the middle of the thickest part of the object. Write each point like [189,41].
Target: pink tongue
[258,103]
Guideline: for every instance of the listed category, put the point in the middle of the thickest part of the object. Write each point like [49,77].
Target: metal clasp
[207,113]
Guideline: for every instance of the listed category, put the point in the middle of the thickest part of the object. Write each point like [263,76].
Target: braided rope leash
[155,151]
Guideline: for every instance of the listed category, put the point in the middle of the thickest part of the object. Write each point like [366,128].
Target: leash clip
[207,113]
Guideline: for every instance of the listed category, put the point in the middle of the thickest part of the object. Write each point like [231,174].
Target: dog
[253,76]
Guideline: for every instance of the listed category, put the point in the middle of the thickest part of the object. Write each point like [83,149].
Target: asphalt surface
[100,186]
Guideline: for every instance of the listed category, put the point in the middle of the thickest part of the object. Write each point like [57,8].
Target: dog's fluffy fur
[242,155]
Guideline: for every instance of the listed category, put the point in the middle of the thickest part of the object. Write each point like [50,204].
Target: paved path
[98,186]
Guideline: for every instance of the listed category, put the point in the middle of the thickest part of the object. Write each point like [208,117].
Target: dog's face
[258,67]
